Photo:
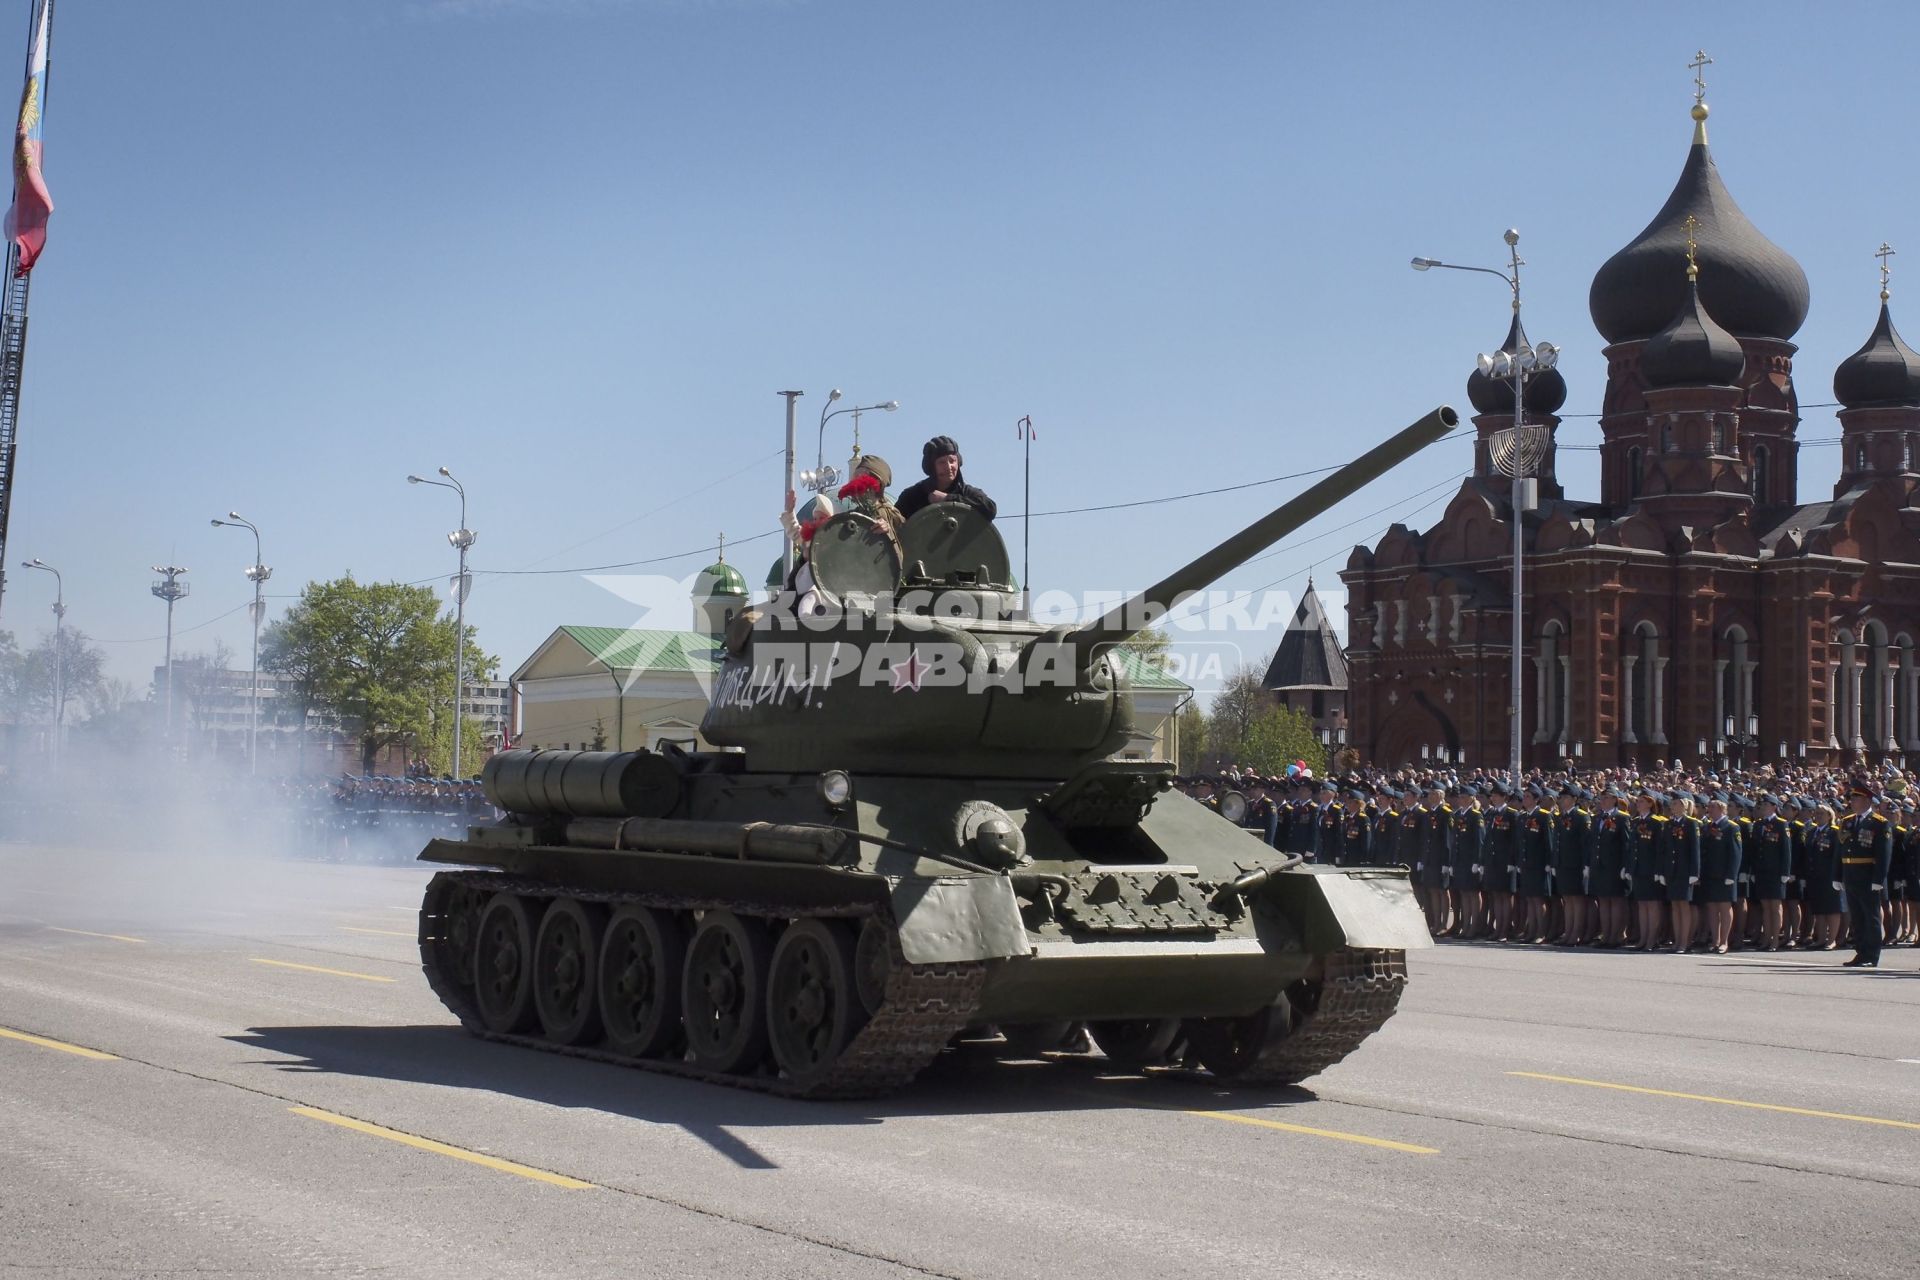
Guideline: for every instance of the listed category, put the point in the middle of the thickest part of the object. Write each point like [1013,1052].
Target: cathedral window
[1633,473]
[1762,466]
[1860,456]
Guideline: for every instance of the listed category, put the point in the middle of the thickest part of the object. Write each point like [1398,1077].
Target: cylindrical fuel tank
[583,784]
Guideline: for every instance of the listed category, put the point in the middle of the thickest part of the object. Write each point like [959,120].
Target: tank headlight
[836,788]
[1233,807]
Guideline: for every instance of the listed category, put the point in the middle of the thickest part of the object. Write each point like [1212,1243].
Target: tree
[1279,737]
[82,667]
[1235,708]
[381,659]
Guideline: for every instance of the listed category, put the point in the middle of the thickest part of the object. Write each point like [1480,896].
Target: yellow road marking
[442,1149]
[385,933]
[1336,1134]
[314,968]
[61,1045]
[88,933]
[1725,1102]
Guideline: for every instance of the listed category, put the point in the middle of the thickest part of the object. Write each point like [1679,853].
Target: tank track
[1358,992]
[923,1008]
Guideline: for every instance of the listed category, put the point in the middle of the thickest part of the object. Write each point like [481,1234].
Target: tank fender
[1337,908]
[944,919]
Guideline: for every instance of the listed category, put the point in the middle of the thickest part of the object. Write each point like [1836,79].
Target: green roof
[719,579]
[634,650]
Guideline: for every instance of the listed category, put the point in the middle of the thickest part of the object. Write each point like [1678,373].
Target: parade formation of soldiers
[1679,861]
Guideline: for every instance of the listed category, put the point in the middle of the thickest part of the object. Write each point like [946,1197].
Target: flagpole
[1025,426]
[13,313]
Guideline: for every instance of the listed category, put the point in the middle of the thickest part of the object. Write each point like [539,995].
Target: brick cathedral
[1701,589]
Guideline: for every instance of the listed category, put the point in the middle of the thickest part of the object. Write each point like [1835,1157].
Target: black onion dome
[1546,391]
[1884,372]
[1749,283]
[1692,351]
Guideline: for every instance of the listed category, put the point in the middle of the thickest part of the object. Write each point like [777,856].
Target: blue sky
[572,248]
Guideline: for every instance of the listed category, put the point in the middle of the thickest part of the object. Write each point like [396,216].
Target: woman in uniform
[1609,886]
[1680,867]
[1465,851]
[1824,901]
[1649,882]
[1720,861]
[1769,863]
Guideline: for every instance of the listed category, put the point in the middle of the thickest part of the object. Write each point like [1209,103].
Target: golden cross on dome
[723,548]
[1699,67]
[1693,263]
[1884,252]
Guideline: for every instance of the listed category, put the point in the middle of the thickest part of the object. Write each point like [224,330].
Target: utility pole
[791,396]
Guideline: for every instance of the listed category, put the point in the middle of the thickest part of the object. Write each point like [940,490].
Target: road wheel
[502,966]
[1136,1042]
[1229,1047]
[813,1004]
[641,959]
[565,964]
[724,992]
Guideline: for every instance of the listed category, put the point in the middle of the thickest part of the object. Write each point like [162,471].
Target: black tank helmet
[934,448]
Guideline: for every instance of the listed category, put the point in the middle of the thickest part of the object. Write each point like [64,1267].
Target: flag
[27,219]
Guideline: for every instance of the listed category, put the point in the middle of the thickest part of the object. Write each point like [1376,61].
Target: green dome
[719,579]
[777,576]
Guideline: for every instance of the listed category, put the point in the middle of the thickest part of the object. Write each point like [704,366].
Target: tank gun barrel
[1143,610]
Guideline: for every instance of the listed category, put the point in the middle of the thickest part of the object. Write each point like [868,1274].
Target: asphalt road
[285,1097]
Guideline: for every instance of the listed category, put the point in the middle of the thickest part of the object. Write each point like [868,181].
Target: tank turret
[909,655]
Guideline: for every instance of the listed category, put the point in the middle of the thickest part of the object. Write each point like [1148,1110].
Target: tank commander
[940,459]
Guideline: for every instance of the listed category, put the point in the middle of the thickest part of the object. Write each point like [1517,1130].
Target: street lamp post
[1741,742]
[1518,459]
[461,539]
[824,477]
[59,672]
[173,591]
[257,574]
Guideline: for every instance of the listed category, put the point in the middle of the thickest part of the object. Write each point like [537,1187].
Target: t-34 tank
[922,831]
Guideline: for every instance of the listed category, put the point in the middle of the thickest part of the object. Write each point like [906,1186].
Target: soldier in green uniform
[1572,853]
[1770,868]
[1464,856]
[1500,860]
[1720,868]
[1866,856]
[1607,874]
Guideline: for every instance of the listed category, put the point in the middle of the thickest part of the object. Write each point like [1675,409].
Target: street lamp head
[833,395]
[218,523]
[891,405]
[1422,264]
[1512,236]
[234,515]
[32,564]
[415,480]
[448,474]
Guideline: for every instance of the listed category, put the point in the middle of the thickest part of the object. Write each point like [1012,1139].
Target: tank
[913,829]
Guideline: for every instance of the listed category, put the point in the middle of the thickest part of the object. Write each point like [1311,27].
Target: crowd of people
[1680,860]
